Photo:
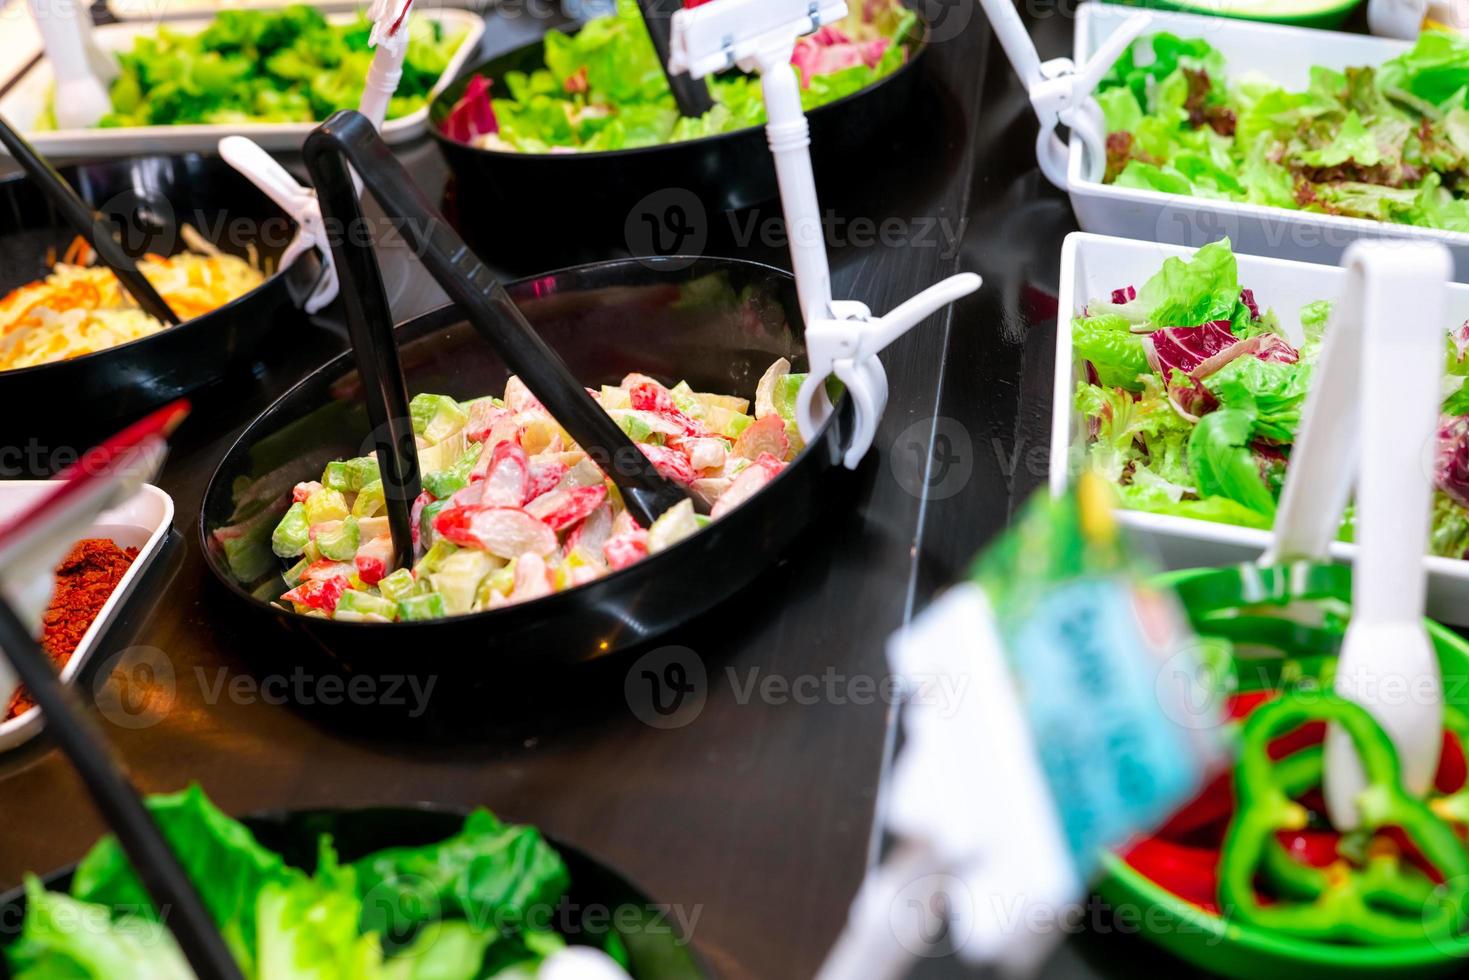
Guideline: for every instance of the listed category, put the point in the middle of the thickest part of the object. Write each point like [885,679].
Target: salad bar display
[670,552]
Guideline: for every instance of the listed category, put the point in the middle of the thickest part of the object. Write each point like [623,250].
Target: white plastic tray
[141,522]
[24,102]
[1285,54]
[1094,265]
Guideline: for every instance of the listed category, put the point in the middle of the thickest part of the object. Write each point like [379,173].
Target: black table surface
[756,815]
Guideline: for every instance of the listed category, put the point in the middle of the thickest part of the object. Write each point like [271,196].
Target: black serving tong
[348,137]
[88,223]
[80,490]
[691,94]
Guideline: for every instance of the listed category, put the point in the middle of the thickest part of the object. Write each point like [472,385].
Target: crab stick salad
[81,308]
[512,509]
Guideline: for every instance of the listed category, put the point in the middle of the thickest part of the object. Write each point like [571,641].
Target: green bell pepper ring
[1385,902]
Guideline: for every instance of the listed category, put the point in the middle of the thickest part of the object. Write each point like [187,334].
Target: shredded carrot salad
[80,308]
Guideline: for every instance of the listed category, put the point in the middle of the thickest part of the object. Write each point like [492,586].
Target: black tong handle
[348,137]
[88,223]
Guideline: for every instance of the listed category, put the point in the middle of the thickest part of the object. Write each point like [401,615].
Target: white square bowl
[1284,54]
[141,522]
[1094,265]
[26,98]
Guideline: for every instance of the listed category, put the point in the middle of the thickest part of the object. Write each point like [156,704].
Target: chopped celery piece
[686,401]
[447,482]
[325,505]
[441,455]
[787,387]
[369,500]
[459,576]
[340,543]
[737,425]
[436,417]
[293,574]
[312,554]
[436,554]
[365,604]
[292,534]
[398,586]
[672,526]
[637,430]
[615,397]
[501,580]
[426,534]
[427,606]
[350,475]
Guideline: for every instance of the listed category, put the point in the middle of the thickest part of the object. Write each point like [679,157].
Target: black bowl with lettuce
[372,893]
[576,143]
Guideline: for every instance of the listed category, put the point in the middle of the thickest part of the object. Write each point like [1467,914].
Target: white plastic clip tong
[81,69]
[842,338]
[1060,92]
[247,156]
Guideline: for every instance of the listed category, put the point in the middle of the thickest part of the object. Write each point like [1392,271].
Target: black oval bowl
[591,201]
[656,948]
[716,322]
[147,198]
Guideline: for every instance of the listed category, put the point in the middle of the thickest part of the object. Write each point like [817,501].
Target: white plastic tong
[1060,92]
[1372,414]
[842,337]
[81,69]
[390,39]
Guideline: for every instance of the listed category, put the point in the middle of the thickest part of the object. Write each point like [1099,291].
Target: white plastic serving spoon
[1387,662]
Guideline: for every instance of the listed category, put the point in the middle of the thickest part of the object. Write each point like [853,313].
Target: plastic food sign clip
[1060,92]
[299,202]
[842,337]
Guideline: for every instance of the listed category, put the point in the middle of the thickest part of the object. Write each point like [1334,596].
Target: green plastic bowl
[1235,949]
[1326,15]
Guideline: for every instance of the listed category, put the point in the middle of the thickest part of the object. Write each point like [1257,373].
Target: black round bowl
[147,199]
[716,322]
[600,897]
[643,200]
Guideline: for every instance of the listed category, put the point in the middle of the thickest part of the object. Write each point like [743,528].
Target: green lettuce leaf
[64,939]
[1273,394]
[219,854]
[488,872]
[1107,341]
[1222,463]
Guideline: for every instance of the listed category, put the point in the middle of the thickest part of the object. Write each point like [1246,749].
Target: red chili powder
[84,580]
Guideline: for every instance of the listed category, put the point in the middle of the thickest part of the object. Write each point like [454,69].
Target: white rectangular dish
[26,98]
[1093,266]
[141,522]
[1284,54]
